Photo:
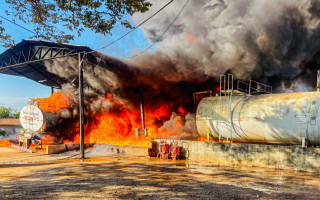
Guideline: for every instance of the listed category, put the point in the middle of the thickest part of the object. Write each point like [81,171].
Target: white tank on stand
[32,120]
[289,118]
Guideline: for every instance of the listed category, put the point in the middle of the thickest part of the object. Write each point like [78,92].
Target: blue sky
[15,91]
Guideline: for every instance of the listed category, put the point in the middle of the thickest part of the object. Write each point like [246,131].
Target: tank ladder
[230,79]
[222,78]
[242,88]
[229,93]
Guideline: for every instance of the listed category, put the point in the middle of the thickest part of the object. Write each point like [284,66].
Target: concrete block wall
[261,155]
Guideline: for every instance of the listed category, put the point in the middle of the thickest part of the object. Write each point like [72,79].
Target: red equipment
[175,151]
[152,150]
[163,150]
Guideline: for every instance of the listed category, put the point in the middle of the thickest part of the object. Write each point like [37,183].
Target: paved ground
[37,176]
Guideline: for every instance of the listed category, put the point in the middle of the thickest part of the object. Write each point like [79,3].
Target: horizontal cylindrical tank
[288,118]
[34,120]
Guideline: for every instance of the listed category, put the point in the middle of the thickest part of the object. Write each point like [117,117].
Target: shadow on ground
[134,180]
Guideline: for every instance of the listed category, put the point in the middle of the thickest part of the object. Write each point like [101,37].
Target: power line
[133,28]
[122,35]
[117,38]
[17,24]
[159,38]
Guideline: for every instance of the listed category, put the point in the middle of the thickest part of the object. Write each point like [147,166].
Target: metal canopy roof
[27,59]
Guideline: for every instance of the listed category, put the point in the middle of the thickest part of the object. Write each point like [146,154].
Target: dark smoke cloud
[128,82]
[271,41]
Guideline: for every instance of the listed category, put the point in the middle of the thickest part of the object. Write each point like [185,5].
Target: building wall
[11,130]
[271,156]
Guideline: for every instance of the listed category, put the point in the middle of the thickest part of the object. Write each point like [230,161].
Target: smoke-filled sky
[271,41]
[266,40]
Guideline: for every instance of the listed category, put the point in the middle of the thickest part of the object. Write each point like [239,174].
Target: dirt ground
[108,176]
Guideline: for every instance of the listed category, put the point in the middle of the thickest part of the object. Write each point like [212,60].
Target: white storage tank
[32,118]
[289,118]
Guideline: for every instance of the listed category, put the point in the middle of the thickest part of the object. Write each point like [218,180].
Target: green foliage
[16,115]
[76,15]
[2,133]
[7,112]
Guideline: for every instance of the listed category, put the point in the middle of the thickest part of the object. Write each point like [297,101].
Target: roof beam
[35,69]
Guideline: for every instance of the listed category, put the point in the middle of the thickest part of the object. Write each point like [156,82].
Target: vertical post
[224,84]
[250,88]
[81,105]
[303,142]
[231,123]
[238,85]
[52,90]
[318,74]
[144,131]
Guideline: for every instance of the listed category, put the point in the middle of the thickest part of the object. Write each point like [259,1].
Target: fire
[204,139]
[54,102]
[5,143]
[191,39]
[182,110]
[46,140]
[117,125]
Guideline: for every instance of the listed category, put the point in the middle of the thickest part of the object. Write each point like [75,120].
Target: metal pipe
[318,74]
[144,131]
[220,84]
[81,105]
[250,88]
[238,85]
[230,104]
[224,83]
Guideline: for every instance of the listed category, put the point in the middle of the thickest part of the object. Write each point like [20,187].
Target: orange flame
[182,110]
[5,143]
[191,39]
[116,126]
[46,140]
[54,102]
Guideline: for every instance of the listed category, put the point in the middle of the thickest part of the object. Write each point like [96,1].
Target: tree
[2,133]
[16,115]
[7,112]
[75,15]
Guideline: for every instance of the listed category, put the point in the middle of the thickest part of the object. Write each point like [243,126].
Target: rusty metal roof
[10,121]
[28,58]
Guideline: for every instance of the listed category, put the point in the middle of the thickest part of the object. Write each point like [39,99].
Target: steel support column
[318,82]
[142,117]
[81,105]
